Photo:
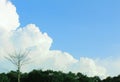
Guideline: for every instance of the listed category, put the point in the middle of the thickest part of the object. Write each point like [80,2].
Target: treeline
[53,76]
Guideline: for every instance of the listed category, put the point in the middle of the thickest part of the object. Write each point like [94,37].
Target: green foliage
[12,76]
[53,76]
[4,78]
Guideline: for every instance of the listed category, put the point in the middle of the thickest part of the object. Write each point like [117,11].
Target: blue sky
[85,35]
[89,28]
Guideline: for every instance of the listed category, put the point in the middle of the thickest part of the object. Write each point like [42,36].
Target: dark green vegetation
[53,76]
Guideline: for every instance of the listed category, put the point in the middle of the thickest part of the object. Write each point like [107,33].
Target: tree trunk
[18,71]
[18,76]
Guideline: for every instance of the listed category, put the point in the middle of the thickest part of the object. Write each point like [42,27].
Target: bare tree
[18,59]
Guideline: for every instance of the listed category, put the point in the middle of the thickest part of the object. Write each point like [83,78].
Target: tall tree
[18,59]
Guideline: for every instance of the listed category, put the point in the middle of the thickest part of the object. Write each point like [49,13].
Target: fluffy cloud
[30,37]
[8,16]
[112,64]
[89,67]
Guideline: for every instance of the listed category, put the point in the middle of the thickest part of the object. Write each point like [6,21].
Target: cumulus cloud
[89,67]
[112,64]
[30,37]
[8,16]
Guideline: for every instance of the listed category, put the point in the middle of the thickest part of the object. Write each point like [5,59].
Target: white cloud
[89,67]
[112,64]
[30,37]
[8,16]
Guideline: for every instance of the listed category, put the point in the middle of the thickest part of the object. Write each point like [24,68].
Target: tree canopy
[53,76]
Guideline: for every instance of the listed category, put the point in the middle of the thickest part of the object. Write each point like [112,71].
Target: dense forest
[53,76]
